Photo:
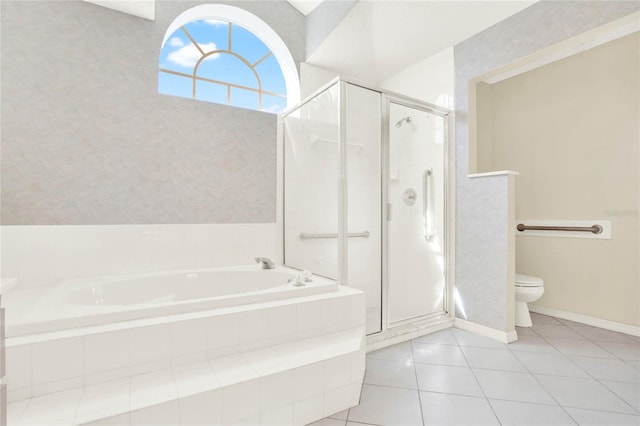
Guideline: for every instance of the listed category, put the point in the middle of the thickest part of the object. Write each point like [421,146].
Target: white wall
[430,80]
[313,78]
[40,256]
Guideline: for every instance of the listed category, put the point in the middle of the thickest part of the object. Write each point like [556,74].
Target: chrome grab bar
[426,211]
[306,236]
[596,229]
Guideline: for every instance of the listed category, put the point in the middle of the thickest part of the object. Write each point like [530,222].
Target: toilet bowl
[528,289]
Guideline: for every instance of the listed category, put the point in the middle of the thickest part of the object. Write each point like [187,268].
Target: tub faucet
[266,263]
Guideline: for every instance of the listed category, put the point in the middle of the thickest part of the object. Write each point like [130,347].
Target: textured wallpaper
[87,139]
[481,240]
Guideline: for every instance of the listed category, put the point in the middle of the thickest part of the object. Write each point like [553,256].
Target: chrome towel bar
[596,229]
[306,236]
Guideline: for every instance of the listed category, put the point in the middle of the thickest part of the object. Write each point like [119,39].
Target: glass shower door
[415,213]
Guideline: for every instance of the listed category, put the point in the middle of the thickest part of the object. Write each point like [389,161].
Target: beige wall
[571,128]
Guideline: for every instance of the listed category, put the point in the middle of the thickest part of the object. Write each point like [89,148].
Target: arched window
[224,54]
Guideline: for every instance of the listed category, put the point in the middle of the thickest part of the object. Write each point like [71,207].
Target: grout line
[436,343]
[525,402]
[626,361]
[606,411]
[541,385]
[346,420]
[31,381]
[614,393]
[477,381]
[582,369]
[527,371]
[462,346]
[578,339]
[577,328]
[389,386]
[75,416]
[460,394]
[23,411]
[415,375]
[603,411]
[514,353]
[360,423]
[621,398]
[608,351]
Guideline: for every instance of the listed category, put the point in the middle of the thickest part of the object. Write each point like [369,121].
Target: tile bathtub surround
[163,370]
[481,382]
[92,355]
[252,385]
[42,255]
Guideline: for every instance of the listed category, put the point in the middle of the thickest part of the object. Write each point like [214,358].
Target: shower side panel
[311,184]
[363,147]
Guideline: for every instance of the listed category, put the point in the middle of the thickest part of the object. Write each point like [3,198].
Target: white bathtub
[105,300]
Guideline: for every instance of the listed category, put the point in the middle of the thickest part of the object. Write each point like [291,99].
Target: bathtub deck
[295,379]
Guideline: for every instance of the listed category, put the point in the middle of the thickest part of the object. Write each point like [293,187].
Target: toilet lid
[528,281]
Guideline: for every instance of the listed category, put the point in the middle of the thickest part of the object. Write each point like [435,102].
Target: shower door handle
[427,212]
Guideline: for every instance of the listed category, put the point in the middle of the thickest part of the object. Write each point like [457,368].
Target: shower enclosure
[365,200]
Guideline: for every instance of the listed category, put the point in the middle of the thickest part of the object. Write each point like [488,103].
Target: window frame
[235,16]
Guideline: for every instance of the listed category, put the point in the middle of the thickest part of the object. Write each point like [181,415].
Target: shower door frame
[445,315]
[413,327]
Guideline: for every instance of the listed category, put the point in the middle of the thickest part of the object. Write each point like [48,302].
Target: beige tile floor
[557,373]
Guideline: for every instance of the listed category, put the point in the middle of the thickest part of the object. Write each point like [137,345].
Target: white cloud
[175,42]
[188,55]
[215,22]
[273,109]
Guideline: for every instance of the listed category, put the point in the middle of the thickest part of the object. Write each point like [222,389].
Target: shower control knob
[409,196]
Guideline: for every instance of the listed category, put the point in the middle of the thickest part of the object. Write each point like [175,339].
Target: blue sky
[179,54]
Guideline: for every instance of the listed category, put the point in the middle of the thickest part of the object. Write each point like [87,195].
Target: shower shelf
[319,142]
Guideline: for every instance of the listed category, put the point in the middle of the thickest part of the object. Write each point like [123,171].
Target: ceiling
[380,38]
[142,8]
[146,8]
[305,6]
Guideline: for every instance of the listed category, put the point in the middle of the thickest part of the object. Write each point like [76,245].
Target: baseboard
[483,330]
[584,319]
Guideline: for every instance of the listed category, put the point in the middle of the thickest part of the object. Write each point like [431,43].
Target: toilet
[528,289]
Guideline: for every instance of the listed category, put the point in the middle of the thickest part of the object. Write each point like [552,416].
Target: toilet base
[523,317]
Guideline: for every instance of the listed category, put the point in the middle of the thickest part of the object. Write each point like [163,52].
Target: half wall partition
[365,200]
